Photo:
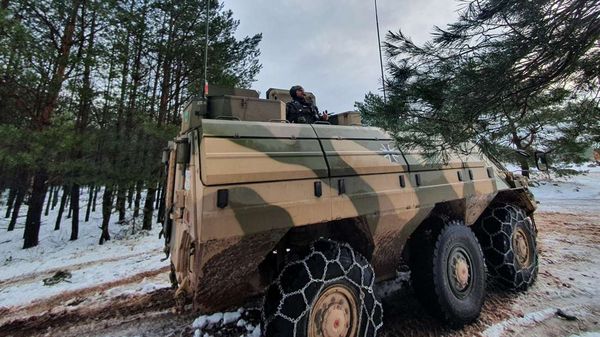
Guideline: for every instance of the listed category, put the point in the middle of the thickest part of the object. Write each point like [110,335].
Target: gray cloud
[331,47]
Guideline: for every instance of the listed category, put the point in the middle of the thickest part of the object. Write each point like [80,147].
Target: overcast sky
[330,47]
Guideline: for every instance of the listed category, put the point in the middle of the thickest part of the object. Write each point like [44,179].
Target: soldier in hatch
[301,110]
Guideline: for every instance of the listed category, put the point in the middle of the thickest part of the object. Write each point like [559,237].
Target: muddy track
[559,285]
[121,306]
[39,315]
[32,276]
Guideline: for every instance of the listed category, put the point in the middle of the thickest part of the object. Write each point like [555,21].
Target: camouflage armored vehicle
[312,216]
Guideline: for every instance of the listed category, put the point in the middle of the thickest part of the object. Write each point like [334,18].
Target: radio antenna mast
[380,57]
[205,91]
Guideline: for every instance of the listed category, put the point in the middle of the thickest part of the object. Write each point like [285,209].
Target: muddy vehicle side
[322,212]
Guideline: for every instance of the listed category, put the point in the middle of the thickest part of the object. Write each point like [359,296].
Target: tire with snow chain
[508,239]
[328,291]
[448,274]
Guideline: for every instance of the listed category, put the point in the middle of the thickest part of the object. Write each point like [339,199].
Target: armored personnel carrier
[312,217]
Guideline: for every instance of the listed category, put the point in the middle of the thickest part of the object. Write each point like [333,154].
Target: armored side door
[261,176]
[370,184]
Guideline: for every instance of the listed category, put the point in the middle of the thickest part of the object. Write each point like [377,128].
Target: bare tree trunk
[106,211]
[95,198]
[164,97]
[130,196]
[55,197]
[61,208]
[121,203]
[38,193]
[86,95]
[155,86]
[75,208]
[124,83]
[20,187]
[157,199]
[148,208]
[89,203]
[121,125]
[20,195]
[177,92]
[62,61]
[70,205]
[165,86]
[138,197]
[12,194]
[50,194]
[34,211]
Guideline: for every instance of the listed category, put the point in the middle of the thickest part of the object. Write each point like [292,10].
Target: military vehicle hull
[247,185]
[312,216]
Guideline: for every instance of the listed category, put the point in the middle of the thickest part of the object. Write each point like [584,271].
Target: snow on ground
[529,319]
[579,193]
[569,264]
[204,324]
[131,251]
[386,288]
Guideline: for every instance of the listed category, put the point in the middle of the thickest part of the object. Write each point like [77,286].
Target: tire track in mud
[405,316]
[121,306]
[139,314]
[38,274]
[65,309]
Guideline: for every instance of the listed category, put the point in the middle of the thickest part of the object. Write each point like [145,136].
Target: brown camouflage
[269,171]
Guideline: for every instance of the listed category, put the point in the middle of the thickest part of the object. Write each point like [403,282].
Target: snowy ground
[130,263]
[122,288]
[578,194]
[130,252]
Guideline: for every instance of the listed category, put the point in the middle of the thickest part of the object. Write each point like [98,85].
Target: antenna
[380,57]
[205,91]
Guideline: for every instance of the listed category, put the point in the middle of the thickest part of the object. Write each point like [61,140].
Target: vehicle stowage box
[246,108]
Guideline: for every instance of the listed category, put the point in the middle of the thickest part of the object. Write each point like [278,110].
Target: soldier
[301,110]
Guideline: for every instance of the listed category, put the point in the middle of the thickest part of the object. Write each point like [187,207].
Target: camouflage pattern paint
[269,171]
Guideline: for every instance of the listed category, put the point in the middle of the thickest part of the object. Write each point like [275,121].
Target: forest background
[90,93]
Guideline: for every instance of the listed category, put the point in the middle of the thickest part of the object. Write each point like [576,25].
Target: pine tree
[501,76]
[91,92]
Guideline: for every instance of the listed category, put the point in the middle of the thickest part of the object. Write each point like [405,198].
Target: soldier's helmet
[293,90]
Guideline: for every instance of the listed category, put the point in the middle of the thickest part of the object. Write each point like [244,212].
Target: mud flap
[181,295]
[166,231]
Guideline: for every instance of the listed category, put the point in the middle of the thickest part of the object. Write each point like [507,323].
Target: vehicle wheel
[508,240]
[448,274]
[326,292]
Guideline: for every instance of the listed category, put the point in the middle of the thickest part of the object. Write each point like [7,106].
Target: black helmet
[294,89]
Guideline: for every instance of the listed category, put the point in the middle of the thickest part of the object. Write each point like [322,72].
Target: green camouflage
[267,173]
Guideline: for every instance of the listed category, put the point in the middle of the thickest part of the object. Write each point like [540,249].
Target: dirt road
[569,280]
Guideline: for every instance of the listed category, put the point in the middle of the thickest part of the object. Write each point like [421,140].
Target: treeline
[91,91]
